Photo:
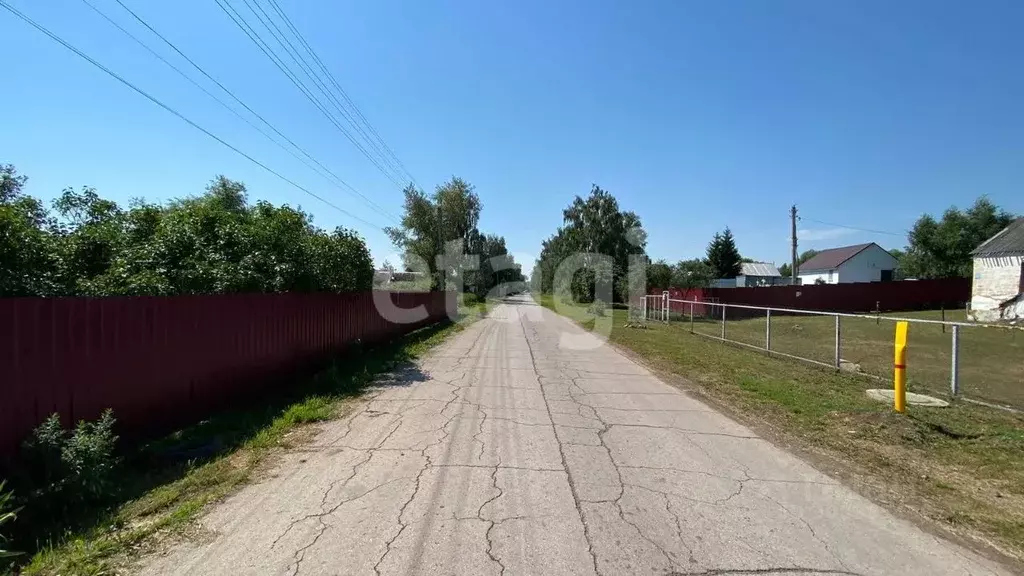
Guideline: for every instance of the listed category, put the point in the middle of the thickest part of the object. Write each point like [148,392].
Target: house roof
[759,269]
[833,257]
[1008,242]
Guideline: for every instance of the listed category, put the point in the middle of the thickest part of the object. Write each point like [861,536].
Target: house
[758,274]
[858,263]
[997,292]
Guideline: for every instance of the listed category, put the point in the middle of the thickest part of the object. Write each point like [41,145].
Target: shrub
[67,470]
[598,307]
[8,513]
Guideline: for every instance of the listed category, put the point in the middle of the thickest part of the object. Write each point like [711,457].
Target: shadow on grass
[149,470]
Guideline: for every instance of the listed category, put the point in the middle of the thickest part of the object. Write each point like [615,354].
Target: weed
[8,514]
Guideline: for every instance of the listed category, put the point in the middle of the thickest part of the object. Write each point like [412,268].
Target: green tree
[452,213]
[430,222]
[212,243]
[786,270]
[942,248]
[593,225]
[723,257]
[659,276]
[692,274]
[27,257]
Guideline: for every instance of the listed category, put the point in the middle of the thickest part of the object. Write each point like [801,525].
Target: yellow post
[900,368]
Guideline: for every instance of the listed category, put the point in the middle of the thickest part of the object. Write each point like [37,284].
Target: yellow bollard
[900,368]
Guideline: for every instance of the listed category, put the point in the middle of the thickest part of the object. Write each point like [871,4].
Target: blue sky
[696,115]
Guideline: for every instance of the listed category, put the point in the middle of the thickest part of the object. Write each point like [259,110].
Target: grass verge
[961,467]
[168,482]
[989,366]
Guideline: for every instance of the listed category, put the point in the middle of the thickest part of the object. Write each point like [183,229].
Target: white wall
[996,280]
[808,279]
[867,266]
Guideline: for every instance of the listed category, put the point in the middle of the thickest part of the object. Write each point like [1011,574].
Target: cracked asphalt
[511,450]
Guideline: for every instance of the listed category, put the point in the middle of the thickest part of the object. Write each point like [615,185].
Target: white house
[858,263]
[997,292]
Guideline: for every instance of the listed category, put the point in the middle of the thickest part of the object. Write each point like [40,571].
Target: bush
[598,307]
[8,513]
[66,471]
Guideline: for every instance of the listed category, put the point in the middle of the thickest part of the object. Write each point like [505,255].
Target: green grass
[168,482]
[961,466]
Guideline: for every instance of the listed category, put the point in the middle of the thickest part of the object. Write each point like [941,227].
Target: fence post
[768,331]
[691,317]
[954,377]
[664,305]
[723,321]
[838,359]
[643,307]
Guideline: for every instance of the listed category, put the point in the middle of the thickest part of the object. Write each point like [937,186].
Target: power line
[255,37]
[904,233]
[334,82]
[218,100]
[338,180]
[154,100]
[307,68]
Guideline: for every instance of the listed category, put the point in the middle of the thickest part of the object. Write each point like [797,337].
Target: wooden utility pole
[792,216]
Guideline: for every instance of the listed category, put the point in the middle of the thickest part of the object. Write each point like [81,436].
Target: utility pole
[438,261]
[792,216]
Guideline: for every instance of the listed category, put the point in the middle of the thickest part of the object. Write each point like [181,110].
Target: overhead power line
[180,116]
[904,233]
[308,69]
[279,62]
[331,176]
[334,82]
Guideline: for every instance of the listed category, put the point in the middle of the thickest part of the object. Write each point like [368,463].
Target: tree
[942,249]
[659,276]
[723,257]
[786,270]
[212,243]
[593,225]
[690,274]
[452,213]
[27,259]
[430,222]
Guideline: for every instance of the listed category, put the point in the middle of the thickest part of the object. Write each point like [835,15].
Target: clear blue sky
[696,115]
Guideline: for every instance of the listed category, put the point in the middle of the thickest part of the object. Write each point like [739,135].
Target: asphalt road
[510,452]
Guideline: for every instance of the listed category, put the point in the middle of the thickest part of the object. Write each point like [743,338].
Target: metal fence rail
[986,359]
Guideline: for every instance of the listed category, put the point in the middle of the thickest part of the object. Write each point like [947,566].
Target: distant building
[997,292]
[859,263]
[385,278]
[758,274]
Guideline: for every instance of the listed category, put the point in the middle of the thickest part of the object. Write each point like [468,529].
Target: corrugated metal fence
[857,297]
[163,361]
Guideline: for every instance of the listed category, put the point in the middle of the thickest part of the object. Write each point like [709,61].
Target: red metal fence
[161,362]
[856,297]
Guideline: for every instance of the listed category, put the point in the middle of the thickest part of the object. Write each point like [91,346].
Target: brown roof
[831,259]
[1008,242]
